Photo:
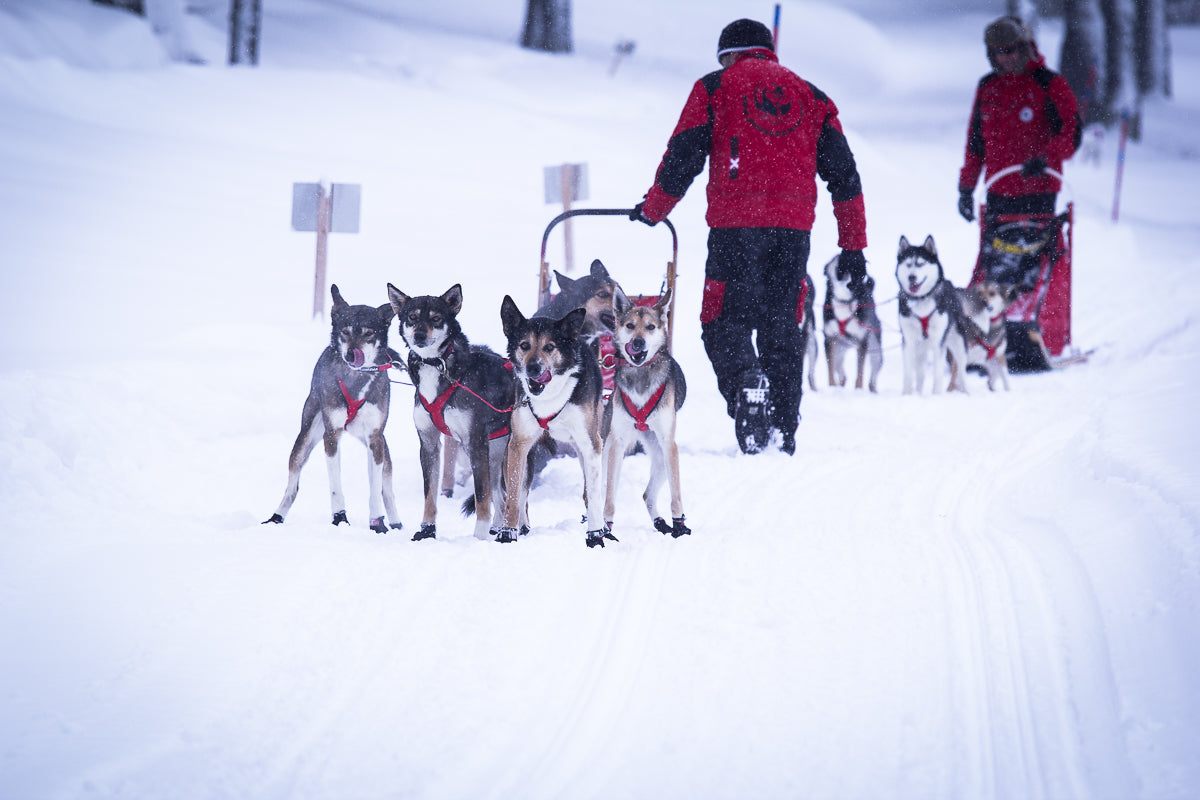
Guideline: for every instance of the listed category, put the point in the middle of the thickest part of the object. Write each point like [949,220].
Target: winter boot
[751,417]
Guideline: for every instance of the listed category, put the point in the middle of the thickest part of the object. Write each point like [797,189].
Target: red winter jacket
[767,134]
[1015,118]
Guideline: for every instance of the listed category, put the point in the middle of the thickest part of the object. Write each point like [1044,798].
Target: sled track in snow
[581,732]
[1017,738]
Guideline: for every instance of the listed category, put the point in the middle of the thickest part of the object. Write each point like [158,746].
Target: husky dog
[594,292]
[349,395]
[807,319]
[649,390]
[983,307]
[462,393]
[850,323]
[931,321]
[559,394]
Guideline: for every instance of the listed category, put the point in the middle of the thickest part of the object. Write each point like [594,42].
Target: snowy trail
[1006,588]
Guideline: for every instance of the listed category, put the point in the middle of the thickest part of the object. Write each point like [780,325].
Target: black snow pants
[748,317]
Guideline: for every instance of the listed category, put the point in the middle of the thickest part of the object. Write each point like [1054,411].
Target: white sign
[344,198]
[566,183]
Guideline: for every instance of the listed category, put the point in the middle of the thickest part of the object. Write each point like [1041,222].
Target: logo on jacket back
[773,111]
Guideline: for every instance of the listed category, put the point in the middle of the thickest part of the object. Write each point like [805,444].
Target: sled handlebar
[605,212]
[1053,173]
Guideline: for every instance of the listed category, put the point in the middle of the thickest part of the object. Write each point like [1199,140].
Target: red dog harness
[352,405]
[640,415]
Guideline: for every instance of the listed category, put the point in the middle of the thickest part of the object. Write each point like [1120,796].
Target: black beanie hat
[744,34]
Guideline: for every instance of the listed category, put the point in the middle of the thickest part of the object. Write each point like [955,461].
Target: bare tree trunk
[1151,49]
[548,26]
[1120,87]
[245,17]
[1082,59]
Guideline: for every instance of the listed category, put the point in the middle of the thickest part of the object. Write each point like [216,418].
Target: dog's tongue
[631,351]
[357,358]
[544,378]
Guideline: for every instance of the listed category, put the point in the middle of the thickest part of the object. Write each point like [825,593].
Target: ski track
[582,729]
[1003,609]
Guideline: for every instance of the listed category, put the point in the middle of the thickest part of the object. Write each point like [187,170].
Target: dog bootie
[751,420]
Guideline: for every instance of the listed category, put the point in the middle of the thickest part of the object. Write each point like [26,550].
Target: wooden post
[568,192]
[324,211]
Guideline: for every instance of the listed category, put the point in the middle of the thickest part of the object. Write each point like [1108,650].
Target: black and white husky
[850,322]
[559,394]
[350,393]
[931,320]
[649,389]
[464,393]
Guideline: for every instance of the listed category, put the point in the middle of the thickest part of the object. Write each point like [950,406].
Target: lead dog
[984,306]
[559,395]
[463,393]
[850,323]
[649,391]
[348,394]
[931,319]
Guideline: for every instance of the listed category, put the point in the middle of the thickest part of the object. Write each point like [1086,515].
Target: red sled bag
[1033,253]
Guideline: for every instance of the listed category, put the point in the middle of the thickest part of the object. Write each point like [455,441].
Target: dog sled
[1033,253]
[608,359]
[608,353]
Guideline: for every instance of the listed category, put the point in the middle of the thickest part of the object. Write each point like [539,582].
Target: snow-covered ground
[983,596]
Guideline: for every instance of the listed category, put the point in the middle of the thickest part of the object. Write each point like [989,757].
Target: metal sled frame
[544,294]
[1036,342]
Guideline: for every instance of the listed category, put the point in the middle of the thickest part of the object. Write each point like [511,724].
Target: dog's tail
[468,506]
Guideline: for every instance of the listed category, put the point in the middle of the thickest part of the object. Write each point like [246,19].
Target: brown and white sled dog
[649,389]
[350,393]
[559,394]
[850,322]
[931,320]
[464,394]
[984,306]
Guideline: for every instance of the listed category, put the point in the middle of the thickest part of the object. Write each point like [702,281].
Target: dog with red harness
[649,391]
[349,394]
[462,392]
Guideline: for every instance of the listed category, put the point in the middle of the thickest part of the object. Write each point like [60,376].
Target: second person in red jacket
[766,134]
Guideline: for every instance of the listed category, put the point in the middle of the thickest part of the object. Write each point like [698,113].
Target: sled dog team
[548,385]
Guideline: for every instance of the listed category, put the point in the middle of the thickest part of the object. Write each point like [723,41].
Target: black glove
[1033,167]
[638,216]
[966,205]
[853,264]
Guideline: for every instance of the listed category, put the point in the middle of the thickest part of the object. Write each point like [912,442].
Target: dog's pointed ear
[904,245]
[453,298]
[572,324]
[338,302]
[621,301]
[930,246]
[397,298]
[511,317]
[664,301]
[1010,292]
[598,270]
[564,283]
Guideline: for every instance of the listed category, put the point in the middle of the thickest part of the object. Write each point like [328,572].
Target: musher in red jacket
[1024,114]
[767,135]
